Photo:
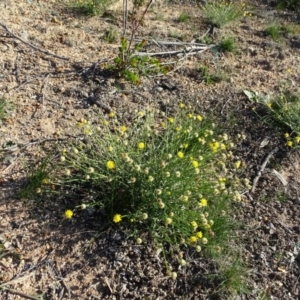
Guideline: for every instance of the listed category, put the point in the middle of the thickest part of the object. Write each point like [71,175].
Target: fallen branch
[19,147]
[183,59]
[280,177]
[4,285]
[31,45]
[203,35]
[23,146]
[20,294]
[262,168]
[9,166]
[285,227]
[44,90]
[171,43]
[16,280]
[192,51]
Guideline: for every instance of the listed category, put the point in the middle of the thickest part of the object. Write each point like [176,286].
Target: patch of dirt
[50,95]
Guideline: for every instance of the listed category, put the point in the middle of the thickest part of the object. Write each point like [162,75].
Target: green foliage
[227,45]
[160,17]
[233,276]
[184,17]
[291,29]
[274,31]
[128,64]
[3,105]
[111,35]
[91,7]
[264,295]
[35,180]
[181,37]
[131,66]
[281,196]
[277,31]
[6,108]
[205,40]
[207,76]
[173,178]
[284,110]
[289,4]
[220,13]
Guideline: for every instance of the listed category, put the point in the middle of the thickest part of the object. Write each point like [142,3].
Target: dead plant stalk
[135,21]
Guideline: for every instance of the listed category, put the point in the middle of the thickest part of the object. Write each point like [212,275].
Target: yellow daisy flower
[203,202]
[110,165]
[199,234]
[193,239]
[141,145]
[123,128]
[195,164]
[180,154]
[117,218]
[68,214]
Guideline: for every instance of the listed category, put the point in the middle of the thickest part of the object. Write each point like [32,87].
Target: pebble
[84,94]
[7,245]
[4,47]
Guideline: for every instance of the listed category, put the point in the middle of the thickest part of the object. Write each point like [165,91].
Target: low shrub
[91,7]
[170,180]
[289,4]
[220,13]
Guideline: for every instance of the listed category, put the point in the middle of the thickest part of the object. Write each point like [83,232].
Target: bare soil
[48,95]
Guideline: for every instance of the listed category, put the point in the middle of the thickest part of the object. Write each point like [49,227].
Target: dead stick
[195,51]
[8,167]
[17,280]
[44,90]
[170,43]
[208,30]
[262,167]
[31,45]
[20,294]
[38,141]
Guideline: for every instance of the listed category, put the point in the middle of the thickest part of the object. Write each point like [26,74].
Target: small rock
[7,245]
[278,283]
[55,20]
[84,94]
[4,47]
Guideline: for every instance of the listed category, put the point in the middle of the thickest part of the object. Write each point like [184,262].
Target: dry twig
[44,90]
[12,291]
[206,33]
[31,45]
[262,168]
[23,146]
[192,50]
[172,43]
[16,280]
